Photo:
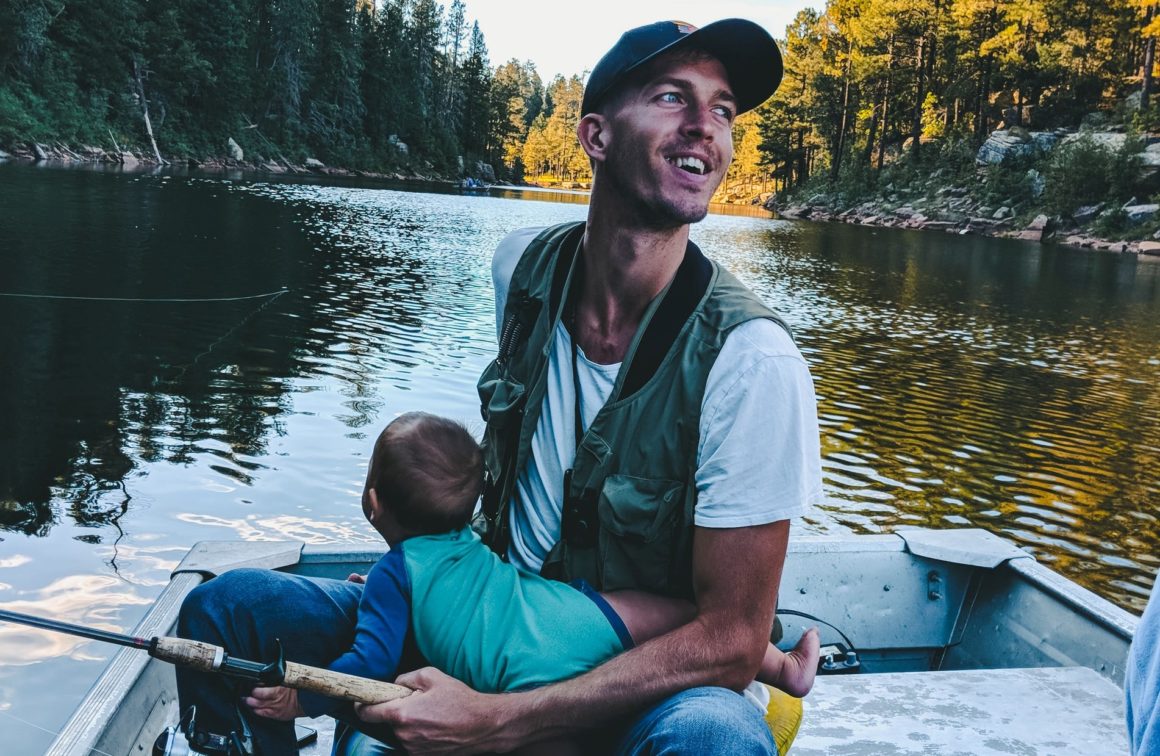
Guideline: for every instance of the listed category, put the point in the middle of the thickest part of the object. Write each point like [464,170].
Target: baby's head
[425,476]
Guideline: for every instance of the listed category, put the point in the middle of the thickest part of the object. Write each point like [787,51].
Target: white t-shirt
[758,458]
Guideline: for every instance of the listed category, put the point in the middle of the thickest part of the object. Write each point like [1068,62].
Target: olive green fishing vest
[630,493]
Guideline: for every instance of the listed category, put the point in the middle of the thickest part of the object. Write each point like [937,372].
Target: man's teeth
[695,164]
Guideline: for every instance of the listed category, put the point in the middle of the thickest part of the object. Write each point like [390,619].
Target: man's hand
[355,577]
[275,703]
[442,716]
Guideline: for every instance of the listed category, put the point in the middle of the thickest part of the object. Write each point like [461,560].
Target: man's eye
[670,97]
[724,112]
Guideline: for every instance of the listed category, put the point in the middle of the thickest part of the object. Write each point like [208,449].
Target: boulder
[1001,213]
[314,164]
[39,152]
[1109,140]
[274,168]
[1087,213]
[1150,157]
[937,225]
[1137,214]
[1004,145]
[128,160]
[484,171]
[1046,141]
[235,150]
[1035,230]
[1037,182]
[4,155]
[401,147]
[1149,247]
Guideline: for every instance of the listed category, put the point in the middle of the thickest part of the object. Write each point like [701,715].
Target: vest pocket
[639,520]
[502,404]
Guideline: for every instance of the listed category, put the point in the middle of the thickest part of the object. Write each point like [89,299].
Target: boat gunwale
[90,724]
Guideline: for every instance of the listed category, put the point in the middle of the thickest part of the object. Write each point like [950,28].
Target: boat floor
[1050,710]
[1042,711]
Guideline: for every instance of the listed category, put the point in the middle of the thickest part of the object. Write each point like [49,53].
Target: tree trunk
[145,110]
[840,144]
[920,97]
[1149,62]
[868,153]
[981,125]
[886,104]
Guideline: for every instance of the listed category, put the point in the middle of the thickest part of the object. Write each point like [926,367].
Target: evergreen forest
[407,85]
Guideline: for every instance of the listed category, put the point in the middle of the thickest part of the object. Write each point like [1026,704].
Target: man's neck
[623,269]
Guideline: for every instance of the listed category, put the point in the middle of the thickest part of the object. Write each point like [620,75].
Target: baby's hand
[276,702]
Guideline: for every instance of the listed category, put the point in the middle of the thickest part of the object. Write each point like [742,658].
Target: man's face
[671,139]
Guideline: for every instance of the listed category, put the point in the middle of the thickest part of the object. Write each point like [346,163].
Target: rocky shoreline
[1042,228]
[132,160]
[950,204]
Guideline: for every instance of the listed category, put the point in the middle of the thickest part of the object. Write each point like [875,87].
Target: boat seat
[1051,710]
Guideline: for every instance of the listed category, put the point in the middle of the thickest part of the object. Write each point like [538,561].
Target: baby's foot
[801,665]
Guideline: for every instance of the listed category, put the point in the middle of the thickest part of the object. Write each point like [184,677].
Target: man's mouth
[689,164]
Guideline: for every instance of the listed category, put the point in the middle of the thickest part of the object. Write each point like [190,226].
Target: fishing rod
[207,657]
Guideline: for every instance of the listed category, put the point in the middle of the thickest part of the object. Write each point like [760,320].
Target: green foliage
[1006,184]
[1085,172]
[340,80]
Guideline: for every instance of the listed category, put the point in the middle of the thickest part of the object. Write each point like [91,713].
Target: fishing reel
[186,739]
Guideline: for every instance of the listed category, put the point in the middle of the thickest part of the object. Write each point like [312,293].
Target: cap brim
[749,54]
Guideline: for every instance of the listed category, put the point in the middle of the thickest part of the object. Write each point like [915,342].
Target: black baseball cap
[750,56]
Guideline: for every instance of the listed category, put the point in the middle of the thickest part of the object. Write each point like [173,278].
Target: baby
[472,615]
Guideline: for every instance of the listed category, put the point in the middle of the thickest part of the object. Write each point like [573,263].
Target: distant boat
[960,641]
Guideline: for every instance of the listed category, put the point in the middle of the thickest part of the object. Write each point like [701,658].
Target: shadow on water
[92,388]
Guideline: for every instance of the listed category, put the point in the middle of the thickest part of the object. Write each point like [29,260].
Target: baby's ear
[371,505]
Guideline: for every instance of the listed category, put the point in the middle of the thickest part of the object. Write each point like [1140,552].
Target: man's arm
[723,646]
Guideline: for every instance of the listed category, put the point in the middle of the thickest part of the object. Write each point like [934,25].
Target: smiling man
[650,422]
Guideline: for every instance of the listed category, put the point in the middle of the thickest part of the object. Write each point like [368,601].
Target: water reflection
[91,600]
[981,382]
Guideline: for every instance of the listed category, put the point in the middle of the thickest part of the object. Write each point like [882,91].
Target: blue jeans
[245,610]
[697,721]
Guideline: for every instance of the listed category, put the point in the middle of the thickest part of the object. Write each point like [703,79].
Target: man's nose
[697,121]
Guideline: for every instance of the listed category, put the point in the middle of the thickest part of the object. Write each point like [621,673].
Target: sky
[569,37]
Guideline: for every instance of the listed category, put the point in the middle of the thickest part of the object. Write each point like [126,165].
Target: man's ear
[594,134]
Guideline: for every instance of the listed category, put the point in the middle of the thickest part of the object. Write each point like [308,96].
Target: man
[1142,683]
[650,423]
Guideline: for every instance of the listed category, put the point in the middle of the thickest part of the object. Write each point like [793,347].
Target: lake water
[961,381]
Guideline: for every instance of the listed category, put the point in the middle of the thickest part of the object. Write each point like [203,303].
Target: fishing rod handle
[187,653]
[339,685]
[208,658]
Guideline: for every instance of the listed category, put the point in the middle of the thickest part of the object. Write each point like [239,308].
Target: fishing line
[176,300]
[48,731]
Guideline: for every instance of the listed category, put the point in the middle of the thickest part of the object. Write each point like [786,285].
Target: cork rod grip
[187,653]
[339,685]
[208,658]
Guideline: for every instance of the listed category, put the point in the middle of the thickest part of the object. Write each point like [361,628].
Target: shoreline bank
[953,217]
